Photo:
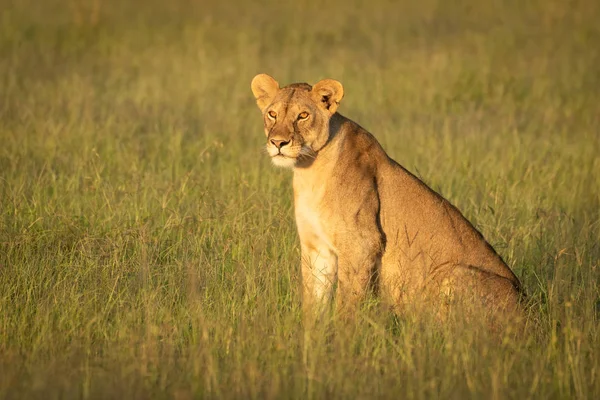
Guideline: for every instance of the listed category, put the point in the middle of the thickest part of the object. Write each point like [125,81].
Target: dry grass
[148,249]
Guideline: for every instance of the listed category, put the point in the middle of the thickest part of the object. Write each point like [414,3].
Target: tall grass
[148,248]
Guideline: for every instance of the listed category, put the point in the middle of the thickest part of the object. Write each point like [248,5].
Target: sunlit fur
[306,134]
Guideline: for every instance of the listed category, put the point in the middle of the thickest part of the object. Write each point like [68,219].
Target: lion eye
[303,115]
[272,114]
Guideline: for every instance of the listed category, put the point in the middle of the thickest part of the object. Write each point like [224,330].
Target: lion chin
[283,161]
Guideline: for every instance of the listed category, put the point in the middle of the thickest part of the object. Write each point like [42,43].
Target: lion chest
[310,220]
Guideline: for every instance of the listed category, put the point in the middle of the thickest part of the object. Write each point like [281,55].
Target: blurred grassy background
[148,248]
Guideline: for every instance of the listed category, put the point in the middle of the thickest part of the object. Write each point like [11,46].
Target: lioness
[366,222]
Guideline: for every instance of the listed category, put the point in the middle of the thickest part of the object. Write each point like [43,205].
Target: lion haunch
[366,222]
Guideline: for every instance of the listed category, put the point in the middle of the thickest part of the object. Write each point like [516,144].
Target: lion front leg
[358,267]
[319,275]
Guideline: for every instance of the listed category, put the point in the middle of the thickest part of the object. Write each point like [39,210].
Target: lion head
[296,117]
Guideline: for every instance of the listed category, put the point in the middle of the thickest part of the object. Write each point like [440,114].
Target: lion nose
[279,143]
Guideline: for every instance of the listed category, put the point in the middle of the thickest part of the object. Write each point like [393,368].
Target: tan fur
[364,221]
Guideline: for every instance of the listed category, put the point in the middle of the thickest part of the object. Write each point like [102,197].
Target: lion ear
[264,88]
[328,93]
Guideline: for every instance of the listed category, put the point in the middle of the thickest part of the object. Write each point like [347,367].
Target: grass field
[148,248]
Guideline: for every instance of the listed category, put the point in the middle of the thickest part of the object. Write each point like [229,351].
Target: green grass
[148,247]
